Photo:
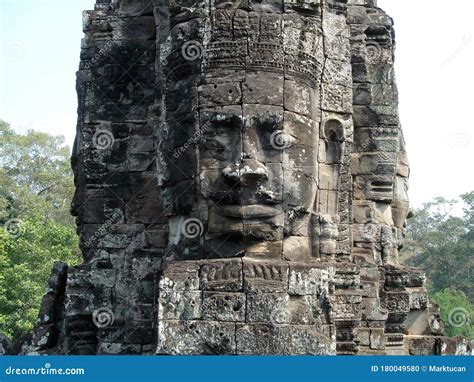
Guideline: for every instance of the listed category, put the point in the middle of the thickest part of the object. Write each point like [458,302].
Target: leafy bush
[36,187]
[456,312]
[443,245]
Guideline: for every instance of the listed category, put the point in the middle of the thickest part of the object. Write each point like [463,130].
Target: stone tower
[241,182]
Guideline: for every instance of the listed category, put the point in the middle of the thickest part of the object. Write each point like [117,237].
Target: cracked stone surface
[241,186]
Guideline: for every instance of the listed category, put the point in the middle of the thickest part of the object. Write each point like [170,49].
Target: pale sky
[40,41]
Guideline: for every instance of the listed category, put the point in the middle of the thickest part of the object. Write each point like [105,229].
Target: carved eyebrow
[265,121]
[230,121]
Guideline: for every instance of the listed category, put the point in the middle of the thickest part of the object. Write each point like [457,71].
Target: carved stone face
[252,137]
[254,159]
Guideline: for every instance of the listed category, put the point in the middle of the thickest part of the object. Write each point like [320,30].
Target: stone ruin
[241,182]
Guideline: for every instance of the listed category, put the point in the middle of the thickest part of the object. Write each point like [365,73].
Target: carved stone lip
[253,211]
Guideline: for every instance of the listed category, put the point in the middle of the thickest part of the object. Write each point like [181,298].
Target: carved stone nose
[249,171]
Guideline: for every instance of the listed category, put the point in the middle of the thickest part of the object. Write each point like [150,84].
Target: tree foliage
[440,239]
[36,187]
[35,175]
[456,312]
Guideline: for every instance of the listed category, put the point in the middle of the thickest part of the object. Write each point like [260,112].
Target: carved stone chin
[241,186]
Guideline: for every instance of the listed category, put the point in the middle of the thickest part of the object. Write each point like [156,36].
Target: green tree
[36,187]
[35,175]
[443,245]
[456,312]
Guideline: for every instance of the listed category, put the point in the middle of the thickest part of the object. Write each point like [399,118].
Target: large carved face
[242,135]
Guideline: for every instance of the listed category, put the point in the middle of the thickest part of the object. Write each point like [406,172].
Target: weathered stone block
[44,337]
[418,298]
[308,279]
[138,332]
[269,308]
[306,105]
[308,310]
[377,339]
[453,346]
[196,337]
[222,275]
[364,336]
[266,90]
[179,305]
[181,276]
[421,345]
[398,302]
[224,306]
[220,94]
[266,339]
[117,348]
[265,276]
[345,307]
